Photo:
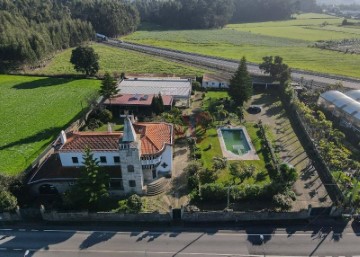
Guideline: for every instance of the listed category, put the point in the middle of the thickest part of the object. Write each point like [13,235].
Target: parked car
[254,109]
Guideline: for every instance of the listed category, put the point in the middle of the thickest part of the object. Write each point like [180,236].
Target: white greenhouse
[345,106]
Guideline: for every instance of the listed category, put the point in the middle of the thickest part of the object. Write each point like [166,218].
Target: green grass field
[118,60]
[292,39]
[33,112]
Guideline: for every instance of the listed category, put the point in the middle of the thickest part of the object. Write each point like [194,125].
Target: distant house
[136,103]
[178,89]
[141,154]
[215,81]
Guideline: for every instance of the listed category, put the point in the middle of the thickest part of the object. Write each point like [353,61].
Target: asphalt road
[230,66]
[289,241]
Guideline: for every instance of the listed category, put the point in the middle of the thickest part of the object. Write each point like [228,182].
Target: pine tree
[240,89]
[91,188]
[108,87]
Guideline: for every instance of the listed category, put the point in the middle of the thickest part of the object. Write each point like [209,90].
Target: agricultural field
[294,40]
[33,112]
[116,60]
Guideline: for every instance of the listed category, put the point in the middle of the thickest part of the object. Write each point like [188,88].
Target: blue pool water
[235,141]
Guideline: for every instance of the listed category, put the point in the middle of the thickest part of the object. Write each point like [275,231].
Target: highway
[231,66]
[105,242]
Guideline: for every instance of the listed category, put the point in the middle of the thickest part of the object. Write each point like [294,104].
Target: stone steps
[158,186]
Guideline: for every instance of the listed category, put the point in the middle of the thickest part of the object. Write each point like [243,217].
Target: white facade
[215,84]
[67,158]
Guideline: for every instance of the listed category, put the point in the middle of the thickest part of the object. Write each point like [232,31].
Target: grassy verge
[116,60]
[33,112]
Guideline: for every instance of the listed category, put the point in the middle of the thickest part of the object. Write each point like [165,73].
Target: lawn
[290,39]
[211,137]
[33,112]
[118,60]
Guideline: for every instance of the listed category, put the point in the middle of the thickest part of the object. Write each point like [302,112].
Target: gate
[176,214]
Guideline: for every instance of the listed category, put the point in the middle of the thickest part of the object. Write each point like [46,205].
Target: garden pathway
[308,188]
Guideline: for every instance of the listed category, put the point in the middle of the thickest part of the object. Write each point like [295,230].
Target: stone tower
[130,152]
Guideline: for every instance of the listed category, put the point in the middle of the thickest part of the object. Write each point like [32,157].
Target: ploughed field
[33,112]
[117,60]
[293,39]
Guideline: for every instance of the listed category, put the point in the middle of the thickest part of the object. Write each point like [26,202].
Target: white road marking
[22,230]
[34,230]
[6,229]
[3,249]
[17,249]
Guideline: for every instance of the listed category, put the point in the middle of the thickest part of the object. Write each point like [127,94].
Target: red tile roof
[139,99]
[154,136]
[96,141]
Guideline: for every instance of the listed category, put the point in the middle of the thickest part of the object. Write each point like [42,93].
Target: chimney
[109,127]
[63,137]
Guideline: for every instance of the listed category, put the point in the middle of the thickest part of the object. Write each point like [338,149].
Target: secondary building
[140,155]
[179,89]
[138,103]
[215,81]
[344,106]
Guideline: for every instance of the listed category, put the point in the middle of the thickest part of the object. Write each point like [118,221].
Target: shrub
[8,202]
[213,192]
[288,174]
[283,202]
[105,115]
[94,124]
[261,176]
[134,203]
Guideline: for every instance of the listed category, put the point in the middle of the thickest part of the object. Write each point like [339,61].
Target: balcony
[151,162]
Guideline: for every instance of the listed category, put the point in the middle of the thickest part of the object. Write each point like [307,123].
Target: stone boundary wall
[106,216]
[231,216]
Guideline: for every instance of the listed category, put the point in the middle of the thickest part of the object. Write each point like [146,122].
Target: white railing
[151,162]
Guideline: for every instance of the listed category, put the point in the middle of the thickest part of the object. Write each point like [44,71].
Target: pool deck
[251,155]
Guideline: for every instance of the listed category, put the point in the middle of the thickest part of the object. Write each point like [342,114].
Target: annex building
[139,155]
[179,89]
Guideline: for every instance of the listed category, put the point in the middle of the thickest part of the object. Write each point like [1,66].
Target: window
[102,159]
[130,168]
[75,159]
[116,184]
[132,183]
[116,159]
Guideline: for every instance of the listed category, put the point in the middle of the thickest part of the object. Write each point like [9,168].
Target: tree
[85,60]
[275,67]
[204,119]
[157,104]
[240,89]
[92,186]
[8,202]
[108,87]
[240,112]
[241,171]
[219,163]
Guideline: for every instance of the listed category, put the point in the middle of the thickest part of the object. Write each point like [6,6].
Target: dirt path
[308,188]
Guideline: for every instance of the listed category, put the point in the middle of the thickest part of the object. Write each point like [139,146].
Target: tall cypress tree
[108,87]
[240,89]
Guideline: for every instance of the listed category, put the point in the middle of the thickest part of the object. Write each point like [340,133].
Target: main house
[133,159]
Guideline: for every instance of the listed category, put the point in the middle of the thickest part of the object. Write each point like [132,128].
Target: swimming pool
[235,140]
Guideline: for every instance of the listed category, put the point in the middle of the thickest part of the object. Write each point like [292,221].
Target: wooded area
[32,30]
[201,14]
